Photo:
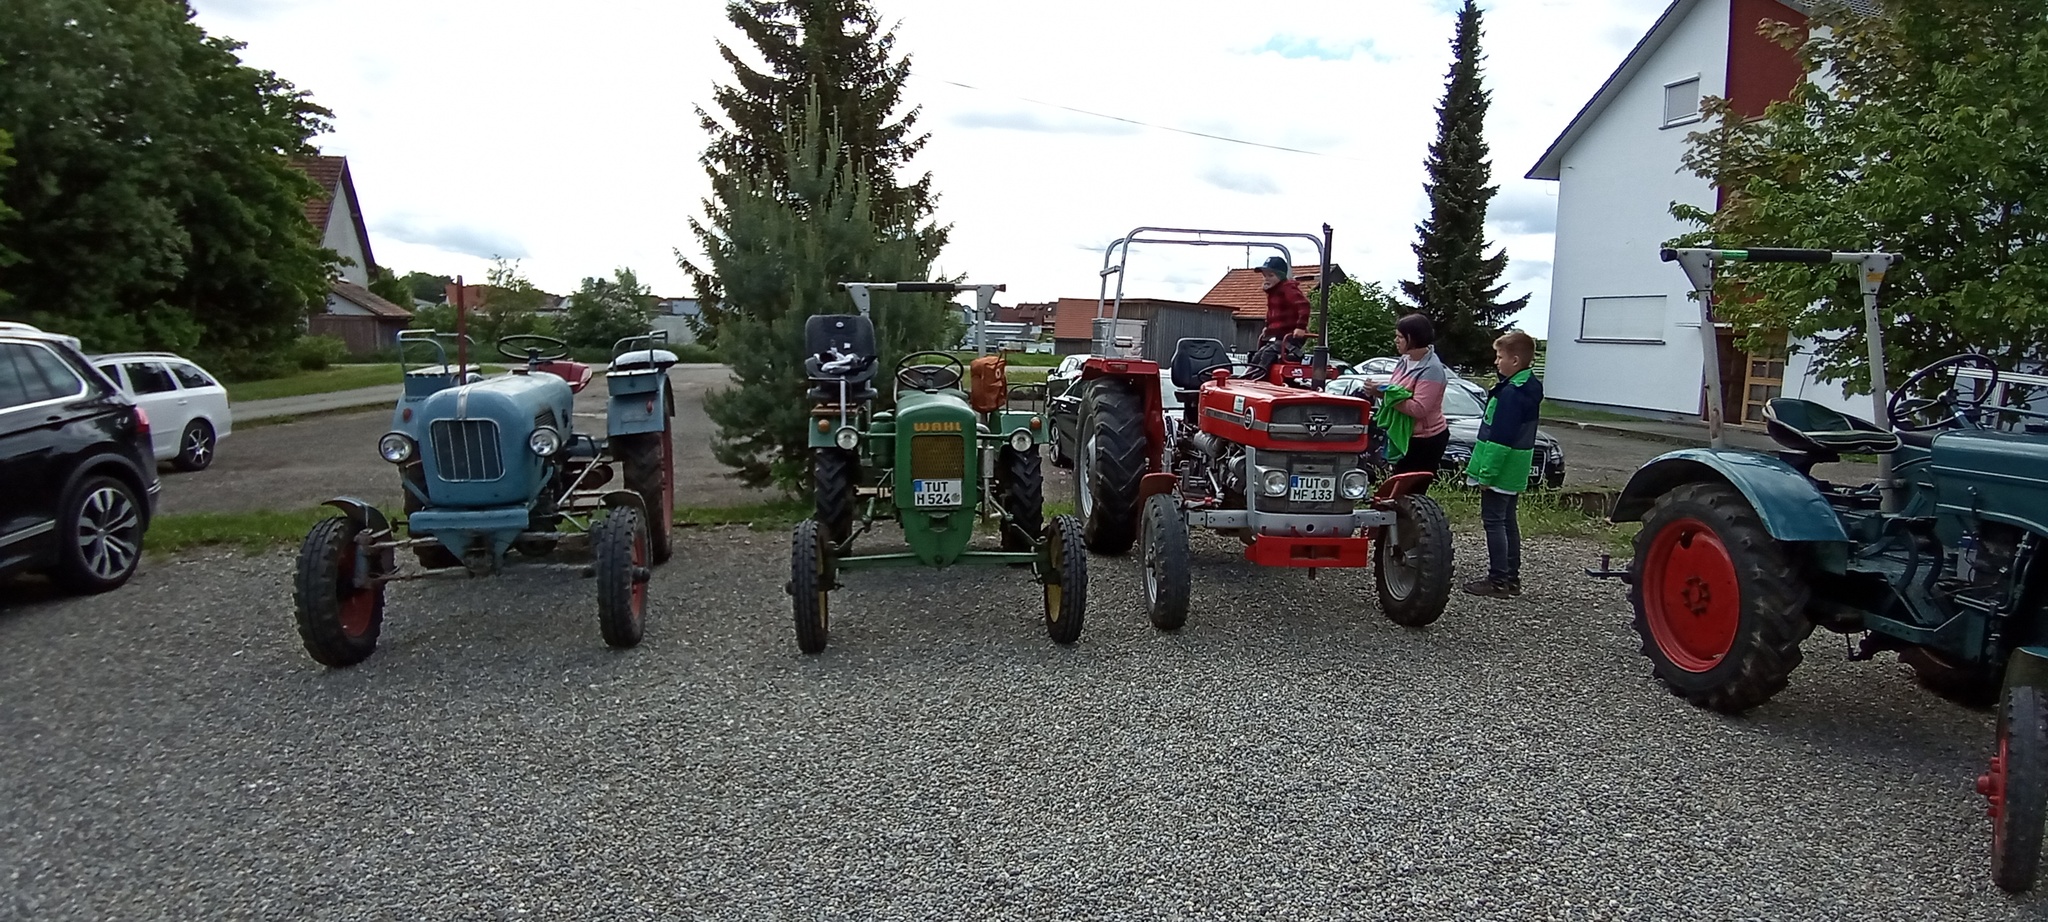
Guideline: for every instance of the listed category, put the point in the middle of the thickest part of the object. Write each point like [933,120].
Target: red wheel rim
[356,605]
[1992,786]
[639,597]
[1691,597]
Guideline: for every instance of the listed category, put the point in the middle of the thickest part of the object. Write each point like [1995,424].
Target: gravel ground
[175,755]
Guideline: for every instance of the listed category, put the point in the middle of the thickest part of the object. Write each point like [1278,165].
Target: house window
[1682,101]
[1630,319]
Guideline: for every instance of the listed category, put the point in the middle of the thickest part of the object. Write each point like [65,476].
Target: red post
[461,331]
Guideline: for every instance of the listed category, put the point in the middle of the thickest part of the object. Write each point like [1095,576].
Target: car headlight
[1021,440]
[1273,482]
[396,447]
[544,441]
[847,438]
[1354,484]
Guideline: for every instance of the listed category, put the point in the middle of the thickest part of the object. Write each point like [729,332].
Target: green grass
[1019,359]
[1542,514]
[773,515]
[1027,375]
[1553,410]
[326,380]
[250,531]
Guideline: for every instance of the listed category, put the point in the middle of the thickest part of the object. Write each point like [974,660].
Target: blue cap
[1276,265]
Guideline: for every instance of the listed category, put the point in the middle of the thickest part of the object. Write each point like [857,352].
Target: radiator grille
[937,457]
[466,450]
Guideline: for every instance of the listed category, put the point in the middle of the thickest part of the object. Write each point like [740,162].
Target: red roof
[1239,289]
[368,300]
[326,173]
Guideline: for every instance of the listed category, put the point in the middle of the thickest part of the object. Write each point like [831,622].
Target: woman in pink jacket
[1422,374]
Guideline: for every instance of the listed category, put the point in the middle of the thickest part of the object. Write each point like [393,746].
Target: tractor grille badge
[1319,425]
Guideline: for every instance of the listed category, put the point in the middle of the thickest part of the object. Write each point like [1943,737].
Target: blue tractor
[495,465]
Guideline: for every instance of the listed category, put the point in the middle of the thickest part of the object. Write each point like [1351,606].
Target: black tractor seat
[1824,434]
[1191,354]
[842,351]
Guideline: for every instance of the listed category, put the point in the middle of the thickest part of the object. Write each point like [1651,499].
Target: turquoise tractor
[1940,559]
[946,456]
[494,466]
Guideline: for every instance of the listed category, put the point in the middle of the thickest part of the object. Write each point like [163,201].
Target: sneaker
[1514,587]
[1484,586]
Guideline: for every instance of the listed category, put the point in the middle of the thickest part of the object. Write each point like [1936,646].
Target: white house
[353,314]
[1624,336]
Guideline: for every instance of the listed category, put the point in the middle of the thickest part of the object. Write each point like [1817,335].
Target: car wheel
[100,535]
[195,447]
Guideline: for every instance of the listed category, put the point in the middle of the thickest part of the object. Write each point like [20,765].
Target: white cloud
[568,131]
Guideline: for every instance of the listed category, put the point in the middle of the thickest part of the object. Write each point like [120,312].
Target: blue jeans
[1503,536]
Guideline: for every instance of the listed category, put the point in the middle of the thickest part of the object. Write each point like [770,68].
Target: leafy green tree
[6,256]
[424,287]
[782,243]
[1362,319]
[387,285]
[1929,145]
[1458,284]
[157,206]
[838,49]
[604,311]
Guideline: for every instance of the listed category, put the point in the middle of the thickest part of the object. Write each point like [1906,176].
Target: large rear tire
[1719,605]
[2017,787]
[338,620]
[1109,463]
[1413,573]
[622,543]
[649,460]
[1165,563]
[810,586]
[1066,592]
[835,476]
[1022,485]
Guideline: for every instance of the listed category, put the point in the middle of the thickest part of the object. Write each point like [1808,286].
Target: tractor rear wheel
[649,460]
[835,475]
[1066,582]
[1413,572]
[1109,462]
[1719,605]
[810,585]
[1165,550]
[1975,687]
[2017,787]
[1022,487]
[338,621]
[623,545]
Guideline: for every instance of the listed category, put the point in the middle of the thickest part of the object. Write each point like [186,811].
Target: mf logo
[935,427]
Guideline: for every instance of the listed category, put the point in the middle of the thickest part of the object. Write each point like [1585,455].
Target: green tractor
[1742,554]
[948,453]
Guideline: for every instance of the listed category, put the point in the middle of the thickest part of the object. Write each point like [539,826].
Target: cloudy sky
[564,134]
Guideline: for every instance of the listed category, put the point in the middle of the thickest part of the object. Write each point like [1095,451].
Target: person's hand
[1300,333]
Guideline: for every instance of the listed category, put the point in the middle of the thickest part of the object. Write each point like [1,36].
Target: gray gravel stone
[172,753]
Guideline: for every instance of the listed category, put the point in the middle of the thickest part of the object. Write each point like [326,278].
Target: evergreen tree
[6,256]
[840,49]
[1457,285]
[781,245]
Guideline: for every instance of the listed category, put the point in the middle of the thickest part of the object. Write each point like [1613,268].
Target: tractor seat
[1805,426]
[643,360]
[841,348]
[1192,354]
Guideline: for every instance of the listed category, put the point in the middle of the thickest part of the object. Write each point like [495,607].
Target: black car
[76,459]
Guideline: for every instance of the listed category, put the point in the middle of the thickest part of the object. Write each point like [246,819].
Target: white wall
[341,238]
[1617,182]
[337,304]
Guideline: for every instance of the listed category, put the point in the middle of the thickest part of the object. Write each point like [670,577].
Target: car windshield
[1459,402]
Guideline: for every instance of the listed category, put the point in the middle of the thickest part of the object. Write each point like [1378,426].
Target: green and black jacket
[1507,439]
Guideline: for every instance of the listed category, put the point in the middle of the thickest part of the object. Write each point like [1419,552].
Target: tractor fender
[2027,666]
[364,515]
[1142,375]
[613,499]
[1791,507]
[644,409]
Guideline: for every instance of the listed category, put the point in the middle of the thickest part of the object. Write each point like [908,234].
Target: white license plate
[934,493]
[1302,489]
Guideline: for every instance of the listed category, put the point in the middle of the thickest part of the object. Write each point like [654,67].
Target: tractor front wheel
[1109,463]
[835,474]
[621,541]
[810,585]
[1066,579]
[338,620]
[1718,603]
[1166,563]
[2017,787]
[1022,487]
[1412,572]
[649,460]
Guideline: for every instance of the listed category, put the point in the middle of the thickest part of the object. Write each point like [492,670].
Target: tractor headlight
[1353,484]
[1272,481]
[847,437]
[1021,440]
[544,441]
[396,447]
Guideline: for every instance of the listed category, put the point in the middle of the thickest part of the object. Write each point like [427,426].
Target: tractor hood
[473,439]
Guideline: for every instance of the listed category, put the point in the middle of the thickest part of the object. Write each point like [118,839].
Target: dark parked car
[77,462]
[1464,407]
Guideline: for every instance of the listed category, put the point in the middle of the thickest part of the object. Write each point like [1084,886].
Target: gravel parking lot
[174,754]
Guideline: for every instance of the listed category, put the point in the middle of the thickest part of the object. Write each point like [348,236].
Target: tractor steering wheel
[930,377]
[524,347]
[1961,412]
[1232,366]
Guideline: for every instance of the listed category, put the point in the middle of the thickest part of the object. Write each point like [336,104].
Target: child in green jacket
[1501,460]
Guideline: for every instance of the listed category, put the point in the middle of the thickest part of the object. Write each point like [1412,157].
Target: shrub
[313,353]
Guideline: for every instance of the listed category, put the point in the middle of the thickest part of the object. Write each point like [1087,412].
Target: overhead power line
[1158,127]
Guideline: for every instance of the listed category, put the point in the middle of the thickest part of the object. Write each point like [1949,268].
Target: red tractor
[1264,456]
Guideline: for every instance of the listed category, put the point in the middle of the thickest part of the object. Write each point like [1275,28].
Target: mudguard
[641,410]
[613,499]
[1791,507]
[364,515]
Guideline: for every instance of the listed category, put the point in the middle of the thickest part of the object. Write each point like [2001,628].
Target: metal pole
[1874,266]
[1699,270]
[1321,363]
[461,332]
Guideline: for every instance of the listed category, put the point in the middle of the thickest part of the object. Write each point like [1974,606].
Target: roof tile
[368,300]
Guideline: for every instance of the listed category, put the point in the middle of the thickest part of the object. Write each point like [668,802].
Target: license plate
[1312,489]
[934,493]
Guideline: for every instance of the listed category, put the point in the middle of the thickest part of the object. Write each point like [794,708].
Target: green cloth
[1400,427]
